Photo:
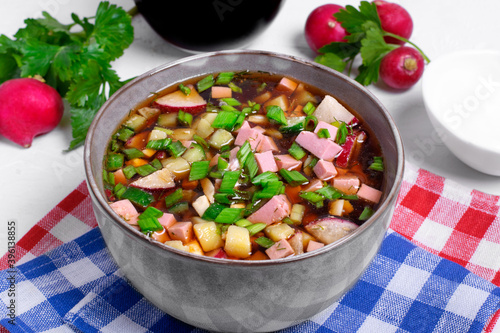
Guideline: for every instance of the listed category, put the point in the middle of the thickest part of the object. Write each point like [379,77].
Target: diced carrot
[286,84]
[138,141]
[161,236]
[348,208]
[148,152]
[189,185]
[293,193]
[136,162]
[259,255]
[309,217]
[120,177]
[297,111]
[221,92]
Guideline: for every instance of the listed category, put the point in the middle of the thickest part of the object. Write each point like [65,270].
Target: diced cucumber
[136,122]
[167,120]
[220,138]
[295,125]
[194,153]
[148,112]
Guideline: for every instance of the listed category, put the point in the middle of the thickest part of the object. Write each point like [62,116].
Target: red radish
[28,107]
[349,149]
[322,28]
[217,253]
[158,180]
[394,19]
[402,67]
[330,229]
[177,100]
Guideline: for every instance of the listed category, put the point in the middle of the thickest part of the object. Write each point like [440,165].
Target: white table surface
[34,180]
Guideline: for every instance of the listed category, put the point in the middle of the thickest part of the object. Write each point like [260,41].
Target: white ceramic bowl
[461,92]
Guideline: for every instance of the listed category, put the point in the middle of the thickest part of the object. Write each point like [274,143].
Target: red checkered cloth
[439,215]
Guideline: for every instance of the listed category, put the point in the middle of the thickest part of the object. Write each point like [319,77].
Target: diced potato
[238,205]
[220,138]
[303,96]
[197,220]
[208,188]
[281,101]
[183,134]
[306,237]
[263,97]
[258,119]
[178,166]
[274,133]
[209,116]
[148,112]
[297,213]
[336,207]
[200,205]
[177,244]
[136,122]
[207,235]
[204,128]
[278,231]
[188,195]
[194,247]
[238,242]
[157,134]
[168,120]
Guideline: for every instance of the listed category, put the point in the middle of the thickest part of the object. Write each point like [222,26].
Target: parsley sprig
[365,38]
[73,58]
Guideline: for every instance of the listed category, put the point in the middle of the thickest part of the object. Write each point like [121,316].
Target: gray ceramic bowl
[237,296]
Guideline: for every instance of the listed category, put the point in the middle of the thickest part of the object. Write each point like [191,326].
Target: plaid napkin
[437,271]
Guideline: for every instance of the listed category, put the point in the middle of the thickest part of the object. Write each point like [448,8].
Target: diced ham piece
[322,148]
[280,249]
[313,185]
[331,129]
[234,163]
[215,160]
[267,144]
[325,170]
[266,162]
[187,143]
[369,193]
[330,110]
[254,136]
[348,184]
[182,231]
[201,204]
[167,220]
[287,162]
[274,210]
[330,229]
[313,245]
[126,210]
[217,253]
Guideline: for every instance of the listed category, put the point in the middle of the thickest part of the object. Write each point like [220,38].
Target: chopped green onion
[179,208]
[244,152]
[223,198]
[243,223]
[310,123]
[151,212]
[111,178]
[129,171]
[199,170]
[329,192]
[366,213]
[199,140]
[114,162]
[309,108]
[161,144]
[231,101]
[296,151]
[262,87]
[216,174]
[225,148]
[251,165]
[149,224]
[105,176]
[341,134]
[293,177]
[225,107]
[313,197]
[133,153]
[225,120]
[205,83]
[265,177]
[222,164]
[176,148]
[229,215]
[185,90]
[349,197]
[256,228]
[313,162]
[138,196]
[173,198]
[145,169]
[294,126]
[324,133]
[264,242]
[157,164]
[288,220]
[165,130]
[234,87]
[185,118]
[114,145]
[276,115]
[229,181]
[124,134]
[119,189]
[377,164]
[213,211]
[224,78]
[269,190]
[239,121]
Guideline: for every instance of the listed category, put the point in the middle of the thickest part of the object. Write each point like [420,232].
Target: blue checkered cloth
[78,287]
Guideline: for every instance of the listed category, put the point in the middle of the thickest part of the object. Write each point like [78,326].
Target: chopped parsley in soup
[244,166]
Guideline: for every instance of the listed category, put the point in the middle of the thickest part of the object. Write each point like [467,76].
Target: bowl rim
[428,89]
[384,206]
